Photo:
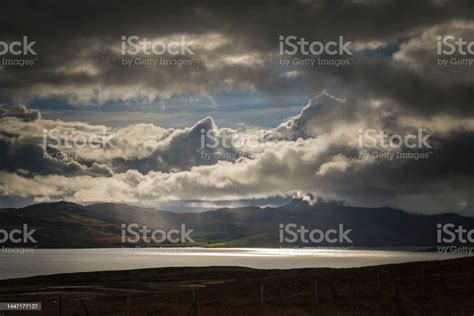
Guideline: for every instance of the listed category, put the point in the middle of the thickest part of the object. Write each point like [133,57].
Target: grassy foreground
[420,288]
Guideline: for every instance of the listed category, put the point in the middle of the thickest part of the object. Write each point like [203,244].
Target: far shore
[201,246]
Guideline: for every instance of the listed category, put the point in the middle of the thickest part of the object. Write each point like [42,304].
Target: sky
[196,105]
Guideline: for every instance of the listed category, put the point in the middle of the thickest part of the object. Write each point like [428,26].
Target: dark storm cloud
[263,20]
[420,94]
[20,111]
[78,35]
[30,159]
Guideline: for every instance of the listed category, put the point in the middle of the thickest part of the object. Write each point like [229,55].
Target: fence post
[357,298]
[379,283]
[84,307]
[128,304]
[445,281]
[193,309]
[59,305]
[334,294]
[469,276]
[396,287]
[316,293]
[423,280]
[195,302]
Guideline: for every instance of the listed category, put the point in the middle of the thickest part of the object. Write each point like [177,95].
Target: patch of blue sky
[385,52]
[227,109]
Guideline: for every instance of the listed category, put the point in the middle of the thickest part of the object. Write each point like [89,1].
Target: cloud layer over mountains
[315,151]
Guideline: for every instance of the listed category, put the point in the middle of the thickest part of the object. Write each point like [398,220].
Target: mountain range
[70,225]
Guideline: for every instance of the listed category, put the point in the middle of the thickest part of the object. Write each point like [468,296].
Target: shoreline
[379,248]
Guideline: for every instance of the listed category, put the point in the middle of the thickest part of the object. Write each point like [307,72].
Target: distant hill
[64,224]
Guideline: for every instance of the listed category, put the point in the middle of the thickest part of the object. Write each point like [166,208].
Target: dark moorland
[420,288]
